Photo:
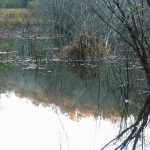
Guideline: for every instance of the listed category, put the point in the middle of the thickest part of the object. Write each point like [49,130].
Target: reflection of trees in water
[131,82]
[132,85]
[134,132]
[131,90]
[80,89]
[86,70]
[37,49]
[60,84]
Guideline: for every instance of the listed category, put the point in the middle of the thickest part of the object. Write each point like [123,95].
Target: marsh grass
[16,17]
[84,46]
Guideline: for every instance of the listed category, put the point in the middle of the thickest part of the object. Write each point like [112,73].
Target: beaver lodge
[85,46]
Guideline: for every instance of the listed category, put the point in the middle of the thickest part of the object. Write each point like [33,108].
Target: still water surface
[26,126]
[47,104]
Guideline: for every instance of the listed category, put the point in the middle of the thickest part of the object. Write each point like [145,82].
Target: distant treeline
[13,3]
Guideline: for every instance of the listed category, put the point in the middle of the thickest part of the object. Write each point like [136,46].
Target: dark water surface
[48,104]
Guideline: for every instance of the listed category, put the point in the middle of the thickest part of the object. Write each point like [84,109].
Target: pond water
[48,104]
[26,126]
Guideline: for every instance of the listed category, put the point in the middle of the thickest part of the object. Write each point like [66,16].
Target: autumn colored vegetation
[16,17]
[85,46]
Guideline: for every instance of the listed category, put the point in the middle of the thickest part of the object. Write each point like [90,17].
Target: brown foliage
[85,46]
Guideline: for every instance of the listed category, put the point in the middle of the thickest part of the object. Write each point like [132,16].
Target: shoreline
[39,31]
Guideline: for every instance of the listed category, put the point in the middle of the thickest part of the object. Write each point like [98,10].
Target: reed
[16,17]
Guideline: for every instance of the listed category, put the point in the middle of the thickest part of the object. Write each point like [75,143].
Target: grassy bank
[16,17]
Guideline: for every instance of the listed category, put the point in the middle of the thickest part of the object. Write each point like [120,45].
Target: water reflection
[85,89]
[55,84]
[72,105]
[26,126]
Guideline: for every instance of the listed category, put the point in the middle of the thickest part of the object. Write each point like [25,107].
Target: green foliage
[31,4]
[139,5]
[129,10]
